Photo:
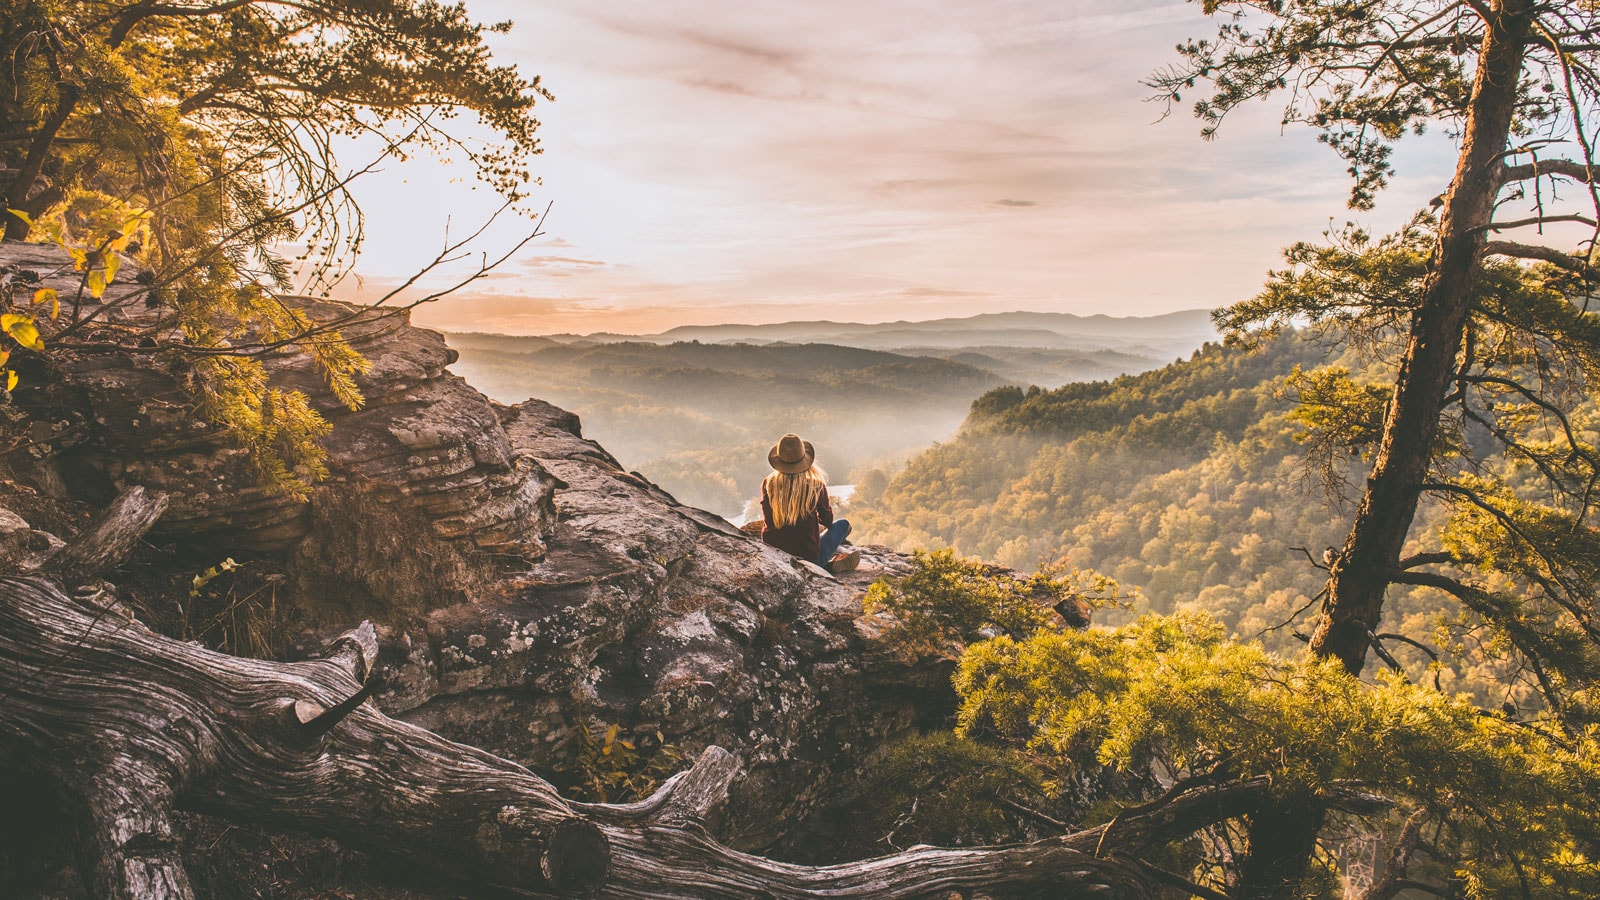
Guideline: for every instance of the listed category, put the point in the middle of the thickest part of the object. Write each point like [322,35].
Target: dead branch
[109,539]
[1534,251]
[129,725]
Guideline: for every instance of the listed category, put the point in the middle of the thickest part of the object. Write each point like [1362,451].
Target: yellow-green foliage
[937,789]
[1512,800]
[1336,409]
[277,428]
[200,142]
[948,601]
[610,768]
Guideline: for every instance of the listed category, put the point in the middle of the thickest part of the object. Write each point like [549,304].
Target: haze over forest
[697,407]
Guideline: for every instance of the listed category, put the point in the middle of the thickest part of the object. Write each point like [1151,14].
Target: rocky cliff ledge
[523,582]
[427,503]
[657,616]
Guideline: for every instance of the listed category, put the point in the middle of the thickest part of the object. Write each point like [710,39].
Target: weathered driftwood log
[128,724]
[109,539]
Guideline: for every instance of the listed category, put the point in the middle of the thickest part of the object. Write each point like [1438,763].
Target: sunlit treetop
[150,100]
[216,127]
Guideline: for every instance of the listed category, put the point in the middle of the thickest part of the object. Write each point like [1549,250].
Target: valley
[696,409]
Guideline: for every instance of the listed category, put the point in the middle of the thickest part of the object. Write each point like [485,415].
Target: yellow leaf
[113,263]
[27,335]
[11,381]
[10,319]
[26,220]
[48,295]
[97,283]
[4,356]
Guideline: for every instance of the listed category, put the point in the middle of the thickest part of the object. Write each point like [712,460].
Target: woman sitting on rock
[795,507]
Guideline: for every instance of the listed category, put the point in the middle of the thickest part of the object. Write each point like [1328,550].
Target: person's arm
[824,508]
[766,510]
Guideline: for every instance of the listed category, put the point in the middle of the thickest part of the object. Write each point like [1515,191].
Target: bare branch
[1394,879]
[1391,636]
[1178,881]
[1384,654]
[108,541]
[1427,559]
[1565,168]
[1536,220]
[1534,251]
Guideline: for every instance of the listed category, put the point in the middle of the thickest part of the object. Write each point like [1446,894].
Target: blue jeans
[830,541]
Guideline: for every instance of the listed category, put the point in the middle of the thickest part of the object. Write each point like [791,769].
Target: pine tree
[1492,338]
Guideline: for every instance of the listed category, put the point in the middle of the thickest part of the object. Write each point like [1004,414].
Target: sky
[707,161]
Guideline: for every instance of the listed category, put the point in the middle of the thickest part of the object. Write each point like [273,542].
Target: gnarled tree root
[127,724]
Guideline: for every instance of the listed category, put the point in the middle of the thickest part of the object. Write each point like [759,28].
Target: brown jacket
[803,538]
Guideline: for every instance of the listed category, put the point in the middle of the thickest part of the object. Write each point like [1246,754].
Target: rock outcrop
[660,617]
[524,584]
[504,624]
[427,502]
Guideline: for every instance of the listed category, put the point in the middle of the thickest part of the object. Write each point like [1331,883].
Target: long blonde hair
[793,496]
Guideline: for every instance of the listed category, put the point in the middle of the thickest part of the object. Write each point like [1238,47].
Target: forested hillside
[699,418]
[1186,482]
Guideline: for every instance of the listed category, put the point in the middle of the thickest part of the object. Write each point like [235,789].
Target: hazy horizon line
[692,327]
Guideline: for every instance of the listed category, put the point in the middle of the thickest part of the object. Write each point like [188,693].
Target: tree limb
[1536,220]
[1566,168]
[127,720]
[1394,879]
[1384,654]
[1534,251]
[110,538]
[1427,559]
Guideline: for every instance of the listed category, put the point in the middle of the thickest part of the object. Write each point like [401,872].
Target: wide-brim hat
[790,455]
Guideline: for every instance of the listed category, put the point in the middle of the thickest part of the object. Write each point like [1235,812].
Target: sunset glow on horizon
[712,162]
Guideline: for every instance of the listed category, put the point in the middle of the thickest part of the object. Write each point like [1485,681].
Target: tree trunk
[1360,574]
[127,724]
[1283,835]
[33,165]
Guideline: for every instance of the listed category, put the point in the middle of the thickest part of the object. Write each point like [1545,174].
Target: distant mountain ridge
[1160,334]
[696,408]
[1174,324]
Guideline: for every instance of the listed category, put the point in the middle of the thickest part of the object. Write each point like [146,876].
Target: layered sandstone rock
[427,503]
[524,584]
[659,617]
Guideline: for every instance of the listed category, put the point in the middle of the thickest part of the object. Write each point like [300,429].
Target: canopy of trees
[1481,403]
[199,139]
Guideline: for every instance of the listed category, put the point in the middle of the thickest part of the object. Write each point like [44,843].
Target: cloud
[838,159]
[765,52]
[939,292]
[541,262]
